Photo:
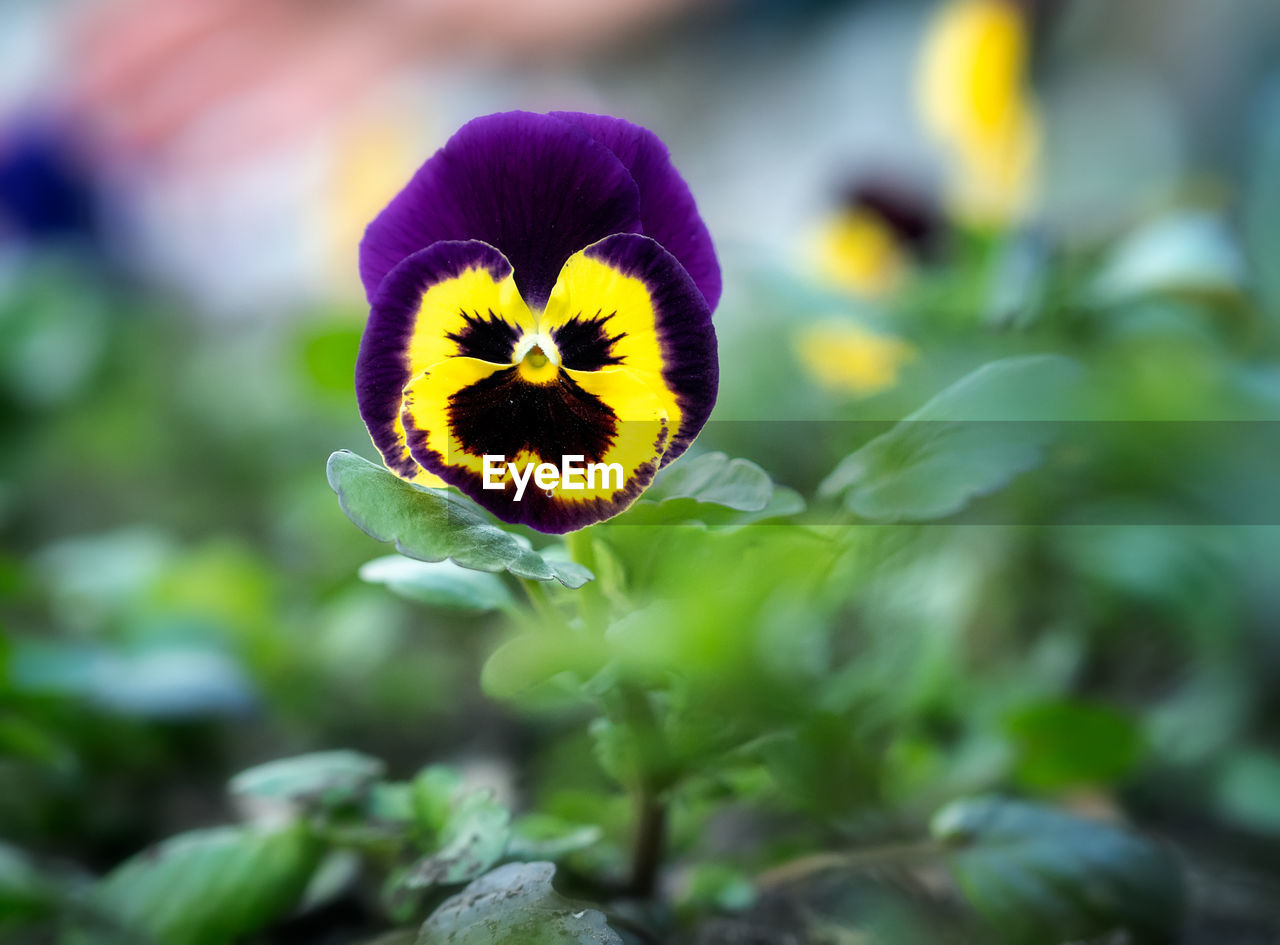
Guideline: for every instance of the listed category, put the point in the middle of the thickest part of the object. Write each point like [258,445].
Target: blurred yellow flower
[858,252]
[371,159]
[369,163]
[975,98]
[846,358]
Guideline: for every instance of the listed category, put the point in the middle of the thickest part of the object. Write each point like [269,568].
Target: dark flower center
[584,343]
[506,415]
[488,338]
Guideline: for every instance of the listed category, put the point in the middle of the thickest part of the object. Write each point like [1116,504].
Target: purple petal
[668,213]
[537,188]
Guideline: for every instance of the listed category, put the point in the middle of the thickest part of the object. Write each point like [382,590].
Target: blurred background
[899,191]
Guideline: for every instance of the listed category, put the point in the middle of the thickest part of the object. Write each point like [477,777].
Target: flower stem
[628,707]
[650,783]
[871,858]
[650,841]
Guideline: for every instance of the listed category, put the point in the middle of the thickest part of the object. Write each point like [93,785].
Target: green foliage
[713,489]
[1063,744]
[321,781]
[715,478]
[515,903]
[474,837]
[825,765]
[433,793]
[530,660]
[53,332]
[178,592]
[547,837]
[1248,791]
[26,893]
[327,349]
[718,887]
[435,524]
[209,887]
[968,441]
[1040,875]
[1187,253]
[442,584]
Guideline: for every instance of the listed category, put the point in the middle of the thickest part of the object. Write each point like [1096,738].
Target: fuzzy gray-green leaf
[968,441]
[435,524]
[515,903]
[320,780]
[1040,875]
[474,838]
[441,584]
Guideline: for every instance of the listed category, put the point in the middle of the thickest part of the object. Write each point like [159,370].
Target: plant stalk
[630,708]
[649,844]
[901,854]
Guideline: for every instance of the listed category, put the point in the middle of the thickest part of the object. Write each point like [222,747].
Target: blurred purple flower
[47,188]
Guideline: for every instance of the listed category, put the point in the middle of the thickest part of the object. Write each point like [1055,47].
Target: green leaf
[531,659]
[614,749]
[515,903]
[717,887]
[474,838]
[784,503]
[322,780]
[1188,252]
[714,489]
[968,441]
[391,802]
[568,572]
[336,876]
[1017,294]
[1069,744]
[209,887]
[28,740]
[439,583]
[824,765]
[547,837]
[435,524]
[435,788]
[26,893]
[1248,791]
[1040,875]
[715,478]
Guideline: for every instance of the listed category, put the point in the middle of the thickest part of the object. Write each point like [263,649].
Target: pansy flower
[540,297]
